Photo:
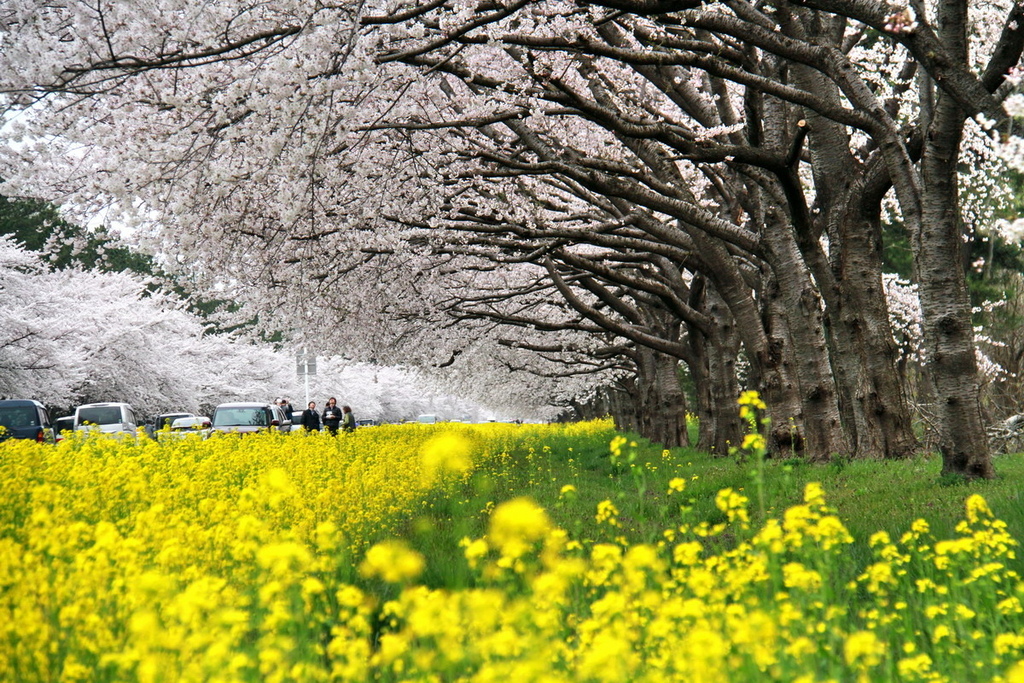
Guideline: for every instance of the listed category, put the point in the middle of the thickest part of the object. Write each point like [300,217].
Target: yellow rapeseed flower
[475,550]
[753,399]
[567,493]
[918,667]
[393,561]
[446,453]
[879,577]
[800,647]
[283,558]
[733,504]
[977,509]
[1016,673]
[687,553]
[796,575]
[214,560]
[1010,605]
[814,494]
[516,525]
[754,442]
[863,649]
[607,513]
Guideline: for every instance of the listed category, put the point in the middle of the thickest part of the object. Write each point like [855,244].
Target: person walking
[332,415]
[348,420]
[311,418]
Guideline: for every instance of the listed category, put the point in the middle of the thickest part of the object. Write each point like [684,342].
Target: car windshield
[240,417]
[100,415]
[18,416]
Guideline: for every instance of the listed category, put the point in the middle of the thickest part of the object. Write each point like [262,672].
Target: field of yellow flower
[315,558]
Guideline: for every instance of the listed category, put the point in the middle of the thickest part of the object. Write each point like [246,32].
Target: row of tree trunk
[795,307]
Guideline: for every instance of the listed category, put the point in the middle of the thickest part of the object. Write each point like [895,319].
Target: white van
[109,418]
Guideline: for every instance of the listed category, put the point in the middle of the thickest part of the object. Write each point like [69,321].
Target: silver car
[247,418]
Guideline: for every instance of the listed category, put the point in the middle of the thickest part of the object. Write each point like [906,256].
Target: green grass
[869,496]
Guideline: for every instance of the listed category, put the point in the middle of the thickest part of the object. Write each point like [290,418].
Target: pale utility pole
[305,365]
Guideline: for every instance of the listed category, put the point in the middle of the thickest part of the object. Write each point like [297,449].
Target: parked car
[191,424]
[63,424]
[366,423]
[427,419]
[296,420]
[164,421]
[25,419]
[246,418]
[108,418]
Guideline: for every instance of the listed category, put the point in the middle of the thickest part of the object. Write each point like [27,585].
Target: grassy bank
[868,495]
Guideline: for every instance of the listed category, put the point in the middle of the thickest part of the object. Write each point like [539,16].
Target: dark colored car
[184,426]
[63,424]
[246,418]
[164,422]
[25,419]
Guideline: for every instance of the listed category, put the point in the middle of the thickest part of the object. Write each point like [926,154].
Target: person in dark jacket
[332,415]
[311,418]
[348,420]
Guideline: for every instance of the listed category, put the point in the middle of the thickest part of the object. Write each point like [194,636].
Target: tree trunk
[719,390]
[945,302]
[621,405]
[946,305]
[661,407]
[772,371]
[791,310]
[792,303]
[876,411]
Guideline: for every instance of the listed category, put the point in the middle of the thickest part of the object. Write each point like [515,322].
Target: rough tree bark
[873,407]
[878,413]
[945,302]
[715,379]
[661,405]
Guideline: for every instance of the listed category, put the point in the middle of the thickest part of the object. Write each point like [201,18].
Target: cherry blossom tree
[77,336]
[275,146]
[34,336]
[73,336]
